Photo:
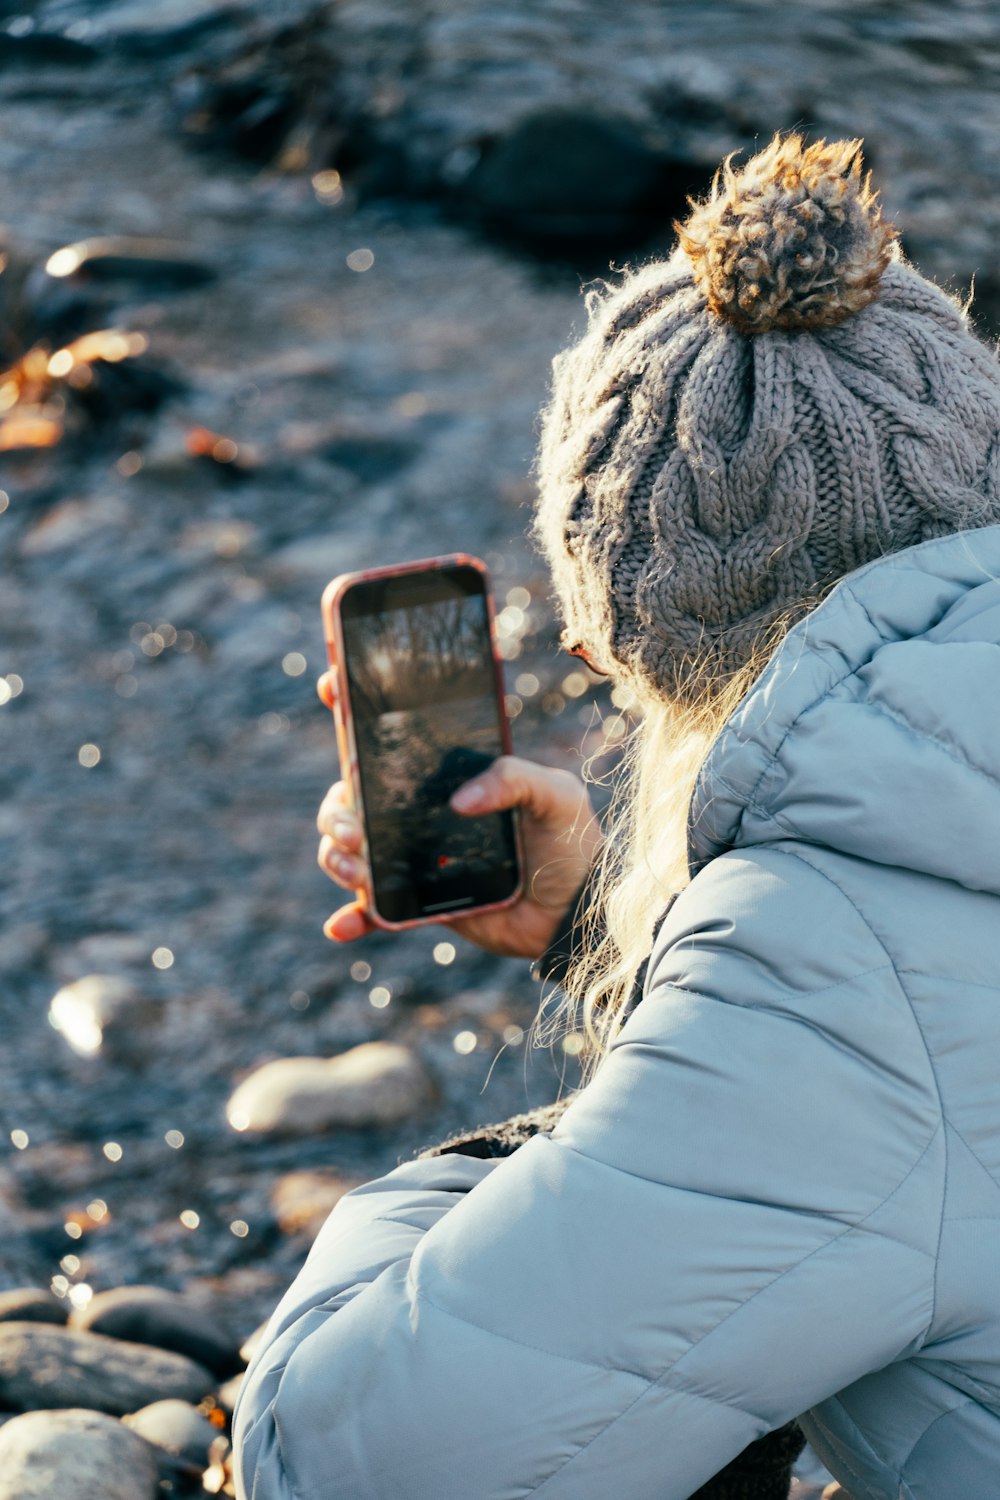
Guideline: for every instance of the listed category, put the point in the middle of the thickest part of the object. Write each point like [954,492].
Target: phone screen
[424,697]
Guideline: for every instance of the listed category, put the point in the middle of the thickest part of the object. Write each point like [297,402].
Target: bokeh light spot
[112,1151]
[464,1042]
[61,363]
[65,261]
[163,958]
[361,260]
[89,755]
[575,685]
[130,463]
[444,953]
[189,1218]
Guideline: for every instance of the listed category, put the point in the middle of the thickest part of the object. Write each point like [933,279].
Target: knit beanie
[781,401]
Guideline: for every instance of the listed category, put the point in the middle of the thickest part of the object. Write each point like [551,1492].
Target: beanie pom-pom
[793,240]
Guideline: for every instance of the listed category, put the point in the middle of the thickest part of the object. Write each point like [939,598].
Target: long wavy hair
[645,853]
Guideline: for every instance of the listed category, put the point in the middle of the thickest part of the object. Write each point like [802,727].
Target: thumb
[545,793]
[347,924]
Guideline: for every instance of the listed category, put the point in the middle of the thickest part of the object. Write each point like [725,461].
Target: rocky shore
[280,288]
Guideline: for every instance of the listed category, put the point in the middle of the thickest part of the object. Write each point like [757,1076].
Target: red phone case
[346,743]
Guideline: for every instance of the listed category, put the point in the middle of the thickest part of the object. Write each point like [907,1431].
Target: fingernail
[344,866]
[342,830]
[468,796]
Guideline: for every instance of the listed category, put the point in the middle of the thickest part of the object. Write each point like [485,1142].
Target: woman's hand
[560,839]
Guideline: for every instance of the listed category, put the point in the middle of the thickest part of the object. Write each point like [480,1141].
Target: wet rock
[32,1305]
[568,173]
[275,96]
[74,1455]
[302,1201]
[252,1342]
[177,1427]
[150,1316]
[136,29]
[378,1083]
[32,48]
[43,1367]
[370,457]
[148,265]
[105,1011]
[228,1394]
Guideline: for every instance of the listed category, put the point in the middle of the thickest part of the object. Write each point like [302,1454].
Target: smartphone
[419,710]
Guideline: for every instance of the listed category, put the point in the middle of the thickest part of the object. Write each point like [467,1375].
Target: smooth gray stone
[149,1315]
[178,1427]
[74,1455]
[46,1367]
[378,1083]
[30,1304]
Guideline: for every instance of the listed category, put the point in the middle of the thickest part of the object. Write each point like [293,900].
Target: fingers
[338,820]
[346,869]
[348,924]
[340,845]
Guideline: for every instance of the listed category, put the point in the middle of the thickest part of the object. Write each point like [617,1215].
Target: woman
[778,1195]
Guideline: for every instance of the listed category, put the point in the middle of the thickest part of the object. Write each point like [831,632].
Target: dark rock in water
[567,173]
[36,48]
[370,458]
[76,288]
[177,1427]
[149,264]
[133,28]
[276,96]
[148,1315]
[46,1367]
[32,1305]
[74,1455]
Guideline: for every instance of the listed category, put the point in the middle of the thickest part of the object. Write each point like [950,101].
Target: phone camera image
[423,690]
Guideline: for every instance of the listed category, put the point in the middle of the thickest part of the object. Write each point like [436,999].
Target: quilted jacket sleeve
[735,1220]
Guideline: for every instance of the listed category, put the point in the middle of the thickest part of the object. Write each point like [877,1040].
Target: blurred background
[280,287]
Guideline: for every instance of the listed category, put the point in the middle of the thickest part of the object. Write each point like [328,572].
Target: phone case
[346,744]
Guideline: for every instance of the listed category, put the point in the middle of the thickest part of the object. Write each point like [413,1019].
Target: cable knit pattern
[698,480]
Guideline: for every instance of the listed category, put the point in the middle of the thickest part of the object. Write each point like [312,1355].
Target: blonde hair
[645,859]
